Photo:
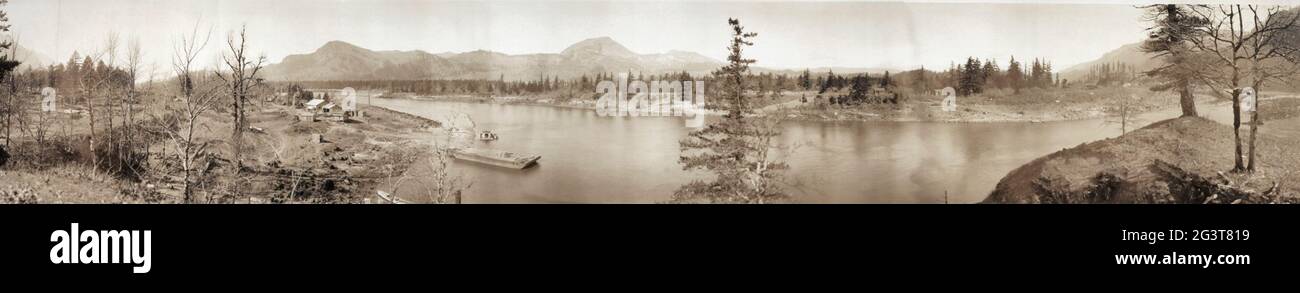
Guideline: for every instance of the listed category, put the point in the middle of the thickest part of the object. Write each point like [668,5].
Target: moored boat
[391,198]
[496,157]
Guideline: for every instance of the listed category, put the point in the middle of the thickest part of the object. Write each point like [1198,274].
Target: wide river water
[591,159]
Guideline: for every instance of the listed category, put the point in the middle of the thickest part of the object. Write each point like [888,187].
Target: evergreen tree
[920,81]
[1047,73]
[805,79]
[989,74]
[1168,40]
[735,148]
[970,82]
[1015,75]
[1035,73]
[87,67]
[954,77]
[7,61]
[859,89]
[74,62]
[831,81]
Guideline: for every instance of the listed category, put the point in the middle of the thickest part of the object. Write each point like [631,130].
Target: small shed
[331,108]
[313,104]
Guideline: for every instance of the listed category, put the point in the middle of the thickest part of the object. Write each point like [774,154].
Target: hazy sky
[791,34]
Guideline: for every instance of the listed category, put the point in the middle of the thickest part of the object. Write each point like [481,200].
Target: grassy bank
[1124,169]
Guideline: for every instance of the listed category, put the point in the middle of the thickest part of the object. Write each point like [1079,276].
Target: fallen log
[1224,177]
[1189,187]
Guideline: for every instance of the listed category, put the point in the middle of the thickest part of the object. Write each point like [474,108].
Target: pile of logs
[1189,187]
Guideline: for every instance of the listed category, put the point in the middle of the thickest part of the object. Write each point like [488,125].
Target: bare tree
[8,62]
[1123,111]
[134,58]
[88,84]
[39,129]
[128,143]
[196,97]
[1224,37]
[441,185]
[92,84]
[1272,58]
[108,89]
[117,85]
[240,78]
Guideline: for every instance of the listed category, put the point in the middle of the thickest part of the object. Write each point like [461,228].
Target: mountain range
[30,59]
[1130,54]
[338,60]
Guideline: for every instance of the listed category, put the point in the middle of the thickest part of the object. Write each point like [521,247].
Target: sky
[790,34]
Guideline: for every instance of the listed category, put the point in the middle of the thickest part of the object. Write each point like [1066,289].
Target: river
[592,159]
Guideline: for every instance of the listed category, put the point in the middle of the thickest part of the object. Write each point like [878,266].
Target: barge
[496,157]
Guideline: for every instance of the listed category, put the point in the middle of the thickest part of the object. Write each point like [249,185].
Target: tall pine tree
[7,60]
[737,147]
[1168,40]
[1015,75]
[971,80]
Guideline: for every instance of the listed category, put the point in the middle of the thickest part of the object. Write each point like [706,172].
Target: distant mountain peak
[598,46]
[484,52]
[338,45]
[28,57]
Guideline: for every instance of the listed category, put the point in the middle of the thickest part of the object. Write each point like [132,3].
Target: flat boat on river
[496,157]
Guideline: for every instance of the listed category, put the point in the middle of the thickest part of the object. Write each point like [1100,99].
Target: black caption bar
[357,242]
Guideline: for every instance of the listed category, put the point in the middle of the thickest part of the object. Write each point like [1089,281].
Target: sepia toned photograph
[648,102]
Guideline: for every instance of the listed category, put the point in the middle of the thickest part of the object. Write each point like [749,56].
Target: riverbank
[1125,169]
[284,162]
[1031,106]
